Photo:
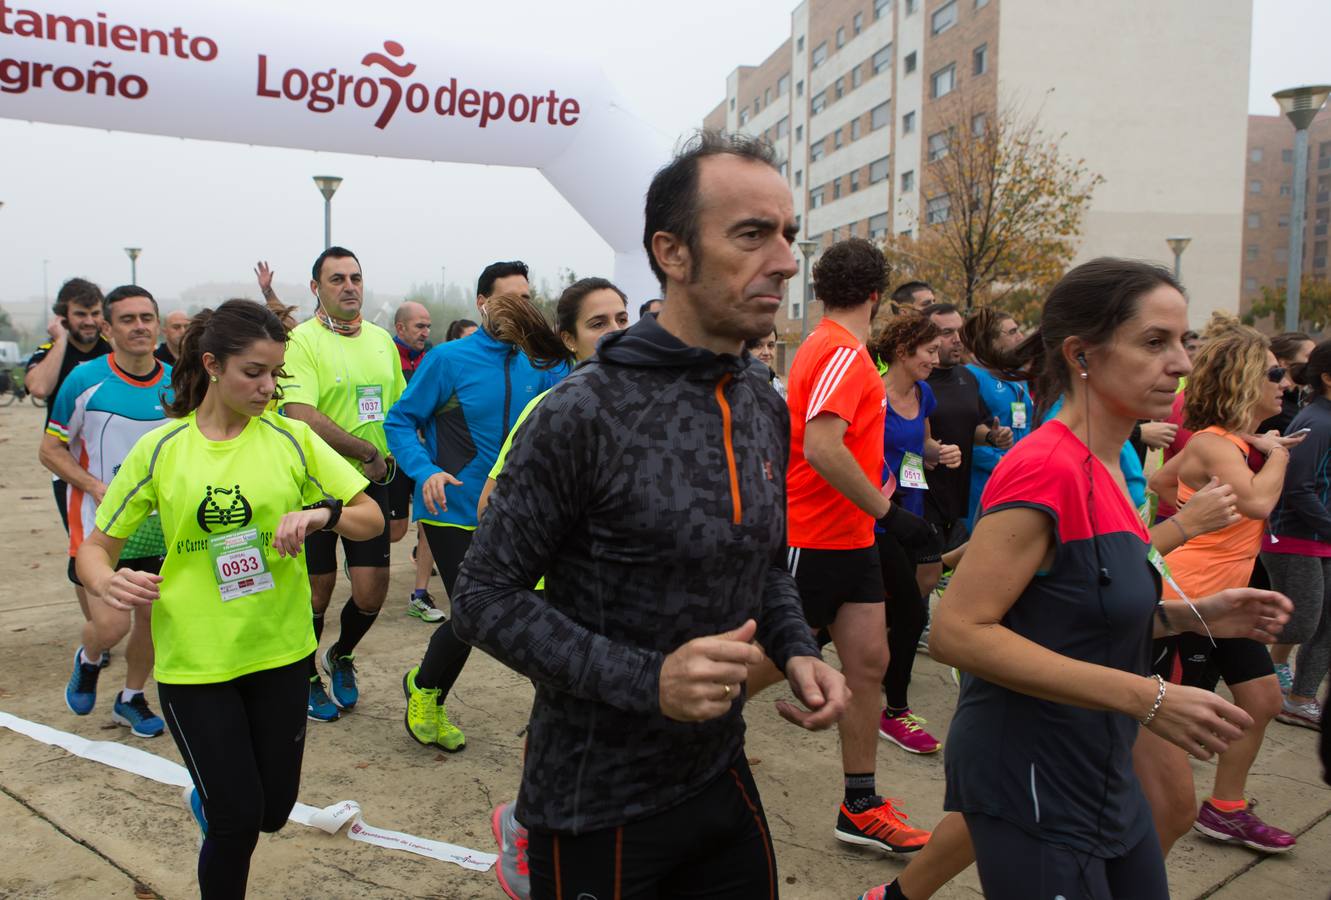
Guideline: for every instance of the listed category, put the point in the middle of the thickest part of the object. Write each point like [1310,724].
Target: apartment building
[1268,193]
[858,100]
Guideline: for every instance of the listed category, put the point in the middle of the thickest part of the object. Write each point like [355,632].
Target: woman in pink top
[1235,384]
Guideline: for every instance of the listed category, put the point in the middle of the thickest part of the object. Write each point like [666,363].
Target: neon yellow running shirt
[508,445]
[229,604]
[352,380]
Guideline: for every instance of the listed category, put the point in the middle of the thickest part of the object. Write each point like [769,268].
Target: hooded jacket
[650,489]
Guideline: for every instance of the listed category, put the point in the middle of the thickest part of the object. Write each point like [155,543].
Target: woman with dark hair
[463,402]
[1050,611]
[458,329]
[908,344]
[764,350]
[231,624]
[1235,385]
[988,334]
[1297,550]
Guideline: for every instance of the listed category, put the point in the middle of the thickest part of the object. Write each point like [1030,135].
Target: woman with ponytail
[1297,550]
[988,334]
[445,433]
[231,608]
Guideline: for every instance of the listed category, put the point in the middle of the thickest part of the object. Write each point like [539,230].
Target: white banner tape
[330,819]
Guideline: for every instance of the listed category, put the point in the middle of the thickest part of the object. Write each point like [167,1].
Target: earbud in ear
[1081,359]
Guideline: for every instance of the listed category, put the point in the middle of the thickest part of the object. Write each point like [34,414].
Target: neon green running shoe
[450,736]
[423,709]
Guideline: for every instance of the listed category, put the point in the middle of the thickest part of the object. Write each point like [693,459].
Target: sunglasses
[1275,374]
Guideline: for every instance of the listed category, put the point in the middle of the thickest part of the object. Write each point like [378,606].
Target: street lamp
[1178,245]
[327,185]
[133,253]
[807,248]
[1300,105]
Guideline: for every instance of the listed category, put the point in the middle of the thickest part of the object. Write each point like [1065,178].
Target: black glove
[911,531]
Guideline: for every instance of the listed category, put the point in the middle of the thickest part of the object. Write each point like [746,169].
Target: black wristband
[334,507]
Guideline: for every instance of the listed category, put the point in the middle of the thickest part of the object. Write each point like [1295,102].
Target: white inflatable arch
[257,72]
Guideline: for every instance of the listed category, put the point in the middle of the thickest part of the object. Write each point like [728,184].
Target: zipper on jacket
[729,440]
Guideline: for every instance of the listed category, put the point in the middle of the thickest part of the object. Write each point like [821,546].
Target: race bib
[912,472]
[1018,415]
[369,402]
[238,564]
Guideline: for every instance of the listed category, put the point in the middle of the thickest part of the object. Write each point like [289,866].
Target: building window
[882,59]
[855,181]
[784,168]
[878,227]
[937,145]
[856,76]
[836,139]
[912,7]
[944,17]
[799,89]
[1255,154]
[1254,220]
[799,44]
[908,123]
[1254,187]
[757,105]
[906,233]
[879,115]
[836,188]
[840,38]
[1282,254]
[854,129]
[816,151]
[943,81]
[839,87]
[767,96]
[732,103]
[908,181]
[1283,221]
[818,103]
[980,59]
[880,8]
[980,3]
[1285,189]
[799,133]
[819,55]
[910,63]
[1253,250]
[782,86]
[878,170]
[1250,284]
[744,116]
[799,177]
[978,124]
[1287,156]
[1280,284]
[937,209]
[782,127]
[857,24]
[816,197]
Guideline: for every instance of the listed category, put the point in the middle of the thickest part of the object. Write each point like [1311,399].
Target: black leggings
[1014,865]
[242,741]
[907,613]
[447,653]
[715,845]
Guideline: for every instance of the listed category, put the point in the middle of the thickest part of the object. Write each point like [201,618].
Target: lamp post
[133,253]
[327,185]
[807,248]
[1178,245]
[1300,105]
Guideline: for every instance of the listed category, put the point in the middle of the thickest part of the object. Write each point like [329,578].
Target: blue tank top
[902,436]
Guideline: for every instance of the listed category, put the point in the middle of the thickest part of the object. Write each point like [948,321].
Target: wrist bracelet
[334,507]
[1164,618]
[1181,530]
[1155,707]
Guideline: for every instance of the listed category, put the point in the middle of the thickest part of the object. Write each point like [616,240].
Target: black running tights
[447,653]
[907,613]
[242,741]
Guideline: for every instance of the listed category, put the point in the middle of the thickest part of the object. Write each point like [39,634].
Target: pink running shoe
[877,893]
[1242,827]
[905,729]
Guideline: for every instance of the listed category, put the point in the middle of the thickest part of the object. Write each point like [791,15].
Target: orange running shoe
[882,826]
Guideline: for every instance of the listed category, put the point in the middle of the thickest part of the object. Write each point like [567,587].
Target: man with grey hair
[173,333]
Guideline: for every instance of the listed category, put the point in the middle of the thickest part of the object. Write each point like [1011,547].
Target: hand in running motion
[1158,435]
[289,538]
[1273,440]
[949,456]
[1000,435]
[701,679]
[377,468]
[126,589]
[1210,509]
[432,492]
[1199,721]
[821,688]
[1236,613]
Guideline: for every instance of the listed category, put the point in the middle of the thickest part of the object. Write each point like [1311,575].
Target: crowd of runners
[1111,514]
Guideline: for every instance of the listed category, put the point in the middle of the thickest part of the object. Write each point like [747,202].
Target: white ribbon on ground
[330,819]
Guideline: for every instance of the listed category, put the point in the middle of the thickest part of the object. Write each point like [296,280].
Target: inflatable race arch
[316,78]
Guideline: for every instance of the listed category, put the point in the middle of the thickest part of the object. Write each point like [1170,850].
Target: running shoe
[341,678]
[136,714]
[450,736]
[882,826]
[423,608]
[105,660]
[922,645]
[1309,714]
[511,869]
[320,707]
[422,718]
[1285,677]
[875,893]
[905,729]
[81,692]
[196,809]
[1242,827]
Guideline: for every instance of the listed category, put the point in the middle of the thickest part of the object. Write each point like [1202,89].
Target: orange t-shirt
[1219,560]
[833,373]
